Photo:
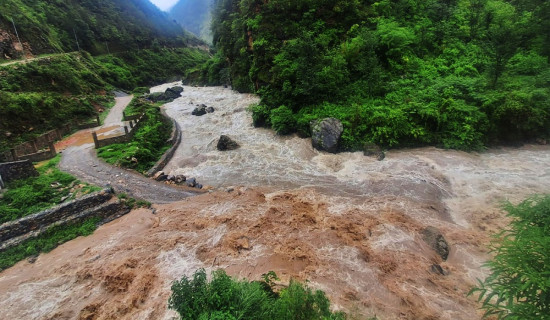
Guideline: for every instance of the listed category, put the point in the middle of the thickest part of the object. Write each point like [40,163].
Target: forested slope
[194,16]
[123,44]
[101,26]
[453,73]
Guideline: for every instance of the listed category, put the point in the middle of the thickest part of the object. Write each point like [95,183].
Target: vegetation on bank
[148,144]
[457,74]
[226,298]
[45,94]
[27,196]
[46,242]
[519,284]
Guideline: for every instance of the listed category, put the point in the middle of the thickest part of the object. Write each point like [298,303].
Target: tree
[519,284]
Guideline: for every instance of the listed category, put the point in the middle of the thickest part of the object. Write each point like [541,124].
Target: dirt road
[79,159]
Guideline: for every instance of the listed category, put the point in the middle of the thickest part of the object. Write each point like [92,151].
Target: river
[349,224]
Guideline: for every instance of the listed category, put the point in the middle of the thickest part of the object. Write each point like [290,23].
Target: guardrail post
[125,130]
[131,125]
[96,142]
[98,121]
[52,149]
[13,154]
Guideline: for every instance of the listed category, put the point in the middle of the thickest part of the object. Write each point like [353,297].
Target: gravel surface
[79,159]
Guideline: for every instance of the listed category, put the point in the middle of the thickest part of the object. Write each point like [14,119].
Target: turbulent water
[349,224]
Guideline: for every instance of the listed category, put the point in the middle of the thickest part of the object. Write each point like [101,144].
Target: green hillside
[100,26]
[194,16]
[124,44]
[453,73]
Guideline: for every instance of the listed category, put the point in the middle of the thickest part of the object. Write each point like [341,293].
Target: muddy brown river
[347,223]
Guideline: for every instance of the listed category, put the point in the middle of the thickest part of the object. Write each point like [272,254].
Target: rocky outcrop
[169,95]
[433,237]
[202,110]
[199,111]
[326,133]
[225,143]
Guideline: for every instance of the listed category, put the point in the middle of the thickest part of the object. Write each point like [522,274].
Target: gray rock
[158,174]
[225,143]
[326,133]
[162,178]
[180,178]
[433,237]
[171,177]
[199,111]
[435,268]
[198,186]
[191,182]
[210,109]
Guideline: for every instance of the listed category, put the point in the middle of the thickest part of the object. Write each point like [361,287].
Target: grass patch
[28,196]
[46,242]
[149,142]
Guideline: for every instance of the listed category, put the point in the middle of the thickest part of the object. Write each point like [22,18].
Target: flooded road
[349,224]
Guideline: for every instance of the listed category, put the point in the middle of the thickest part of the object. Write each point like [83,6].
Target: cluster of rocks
[177,179]
[168,95]
[201,110]
[437,242]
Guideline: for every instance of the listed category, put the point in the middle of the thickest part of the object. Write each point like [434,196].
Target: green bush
[519,284]
[226,298]
[148,144]
[28,196]
[282,120]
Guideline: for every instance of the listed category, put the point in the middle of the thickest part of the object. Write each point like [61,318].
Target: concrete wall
[175,140]
[100,204]
[132,128]
[17,170]
[36,146]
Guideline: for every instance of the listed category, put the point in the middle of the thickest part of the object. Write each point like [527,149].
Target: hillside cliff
[194,16]
[99,26]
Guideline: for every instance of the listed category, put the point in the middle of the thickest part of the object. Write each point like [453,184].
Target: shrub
[282,120]
[519,284]
[226,298]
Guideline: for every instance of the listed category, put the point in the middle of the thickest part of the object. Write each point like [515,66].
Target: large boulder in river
[326,133]
[200,110]
[225,143]
[433,237]
[173,93]
[169,95]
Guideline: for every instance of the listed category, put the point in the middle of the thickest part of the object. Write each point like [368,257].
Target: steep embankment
[349,224]
[97,26]
[195,16]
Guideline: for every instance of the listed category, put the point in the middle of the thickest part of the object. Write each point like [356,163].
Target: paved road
[80,160]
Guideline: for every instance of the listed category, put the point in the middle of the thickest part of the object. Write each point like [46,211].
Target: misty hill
[100,26]
[194,16]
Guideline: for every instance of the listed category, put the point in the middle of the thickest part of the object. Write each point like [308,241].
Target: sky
[164,4]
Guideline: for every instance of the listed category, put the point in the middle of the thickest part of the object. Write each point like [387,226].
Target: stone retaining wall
[17,170]
[127,137]
[175,140]
[34,149]
[98,204]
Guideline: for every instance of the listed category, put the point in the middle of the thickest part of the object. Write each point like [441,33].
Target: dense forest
[452,73]
[194,16]
[99,26]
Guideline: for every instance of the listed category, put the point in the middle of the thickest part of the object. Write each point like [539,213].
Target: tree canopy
[452,73]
